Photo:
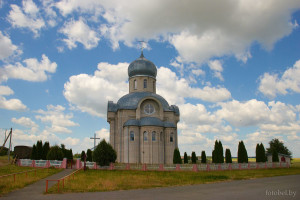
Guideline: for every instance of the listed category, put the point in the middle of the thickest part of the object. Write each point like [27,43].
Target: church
[143,126]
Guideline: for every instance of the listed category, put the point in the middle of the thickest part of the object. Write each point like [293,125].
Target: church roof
[142,67]
[149,121]
[130,102]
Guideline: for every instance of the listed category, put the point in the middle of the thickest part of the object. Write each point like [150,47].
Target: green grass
[98,180]
[7,184]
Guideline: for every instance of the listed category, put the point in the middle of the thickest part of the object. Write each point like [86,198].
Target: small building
[281,158]
[23,152]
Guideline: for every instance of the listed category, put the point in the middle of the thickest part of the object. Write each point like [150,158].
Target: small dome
[142,67]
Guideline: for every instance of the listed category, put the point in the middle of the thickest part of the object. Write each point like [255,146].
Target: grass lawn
[98,180]
[7,184]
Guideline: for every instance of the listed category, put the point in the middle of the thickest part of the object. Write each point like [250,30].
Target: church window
[145,83]
[153,85]
[145,136]
[131,136]
[135,84]
[171,137]
[149,109]
[153,136]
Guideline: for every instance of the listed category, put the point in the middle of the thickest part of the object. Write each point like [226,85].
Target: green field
[98,180]
[7,184]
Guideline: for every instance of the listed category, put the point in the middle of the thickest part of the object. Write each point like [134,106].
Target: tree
[185,158]
[194,158]
[55,153]
[104,154]
[176,156]
[263,153]
[278,146]
[228,156]
[82,155]
[203,157]
[213,156]
[89,156]
[39,149]
[33,153]
[218,155]
[46,148]
[260,153]
[275,156]
[242,153]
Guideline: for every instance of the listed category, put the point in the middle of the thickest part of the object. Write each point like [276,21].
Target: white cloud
[24,121]
[26,17]
[272,84]
[56,117]
[79,31]
[7,48]
[10,104]
[175,89]
[217,68]
[199,30]
[253,113]
[32,71]
[97,89]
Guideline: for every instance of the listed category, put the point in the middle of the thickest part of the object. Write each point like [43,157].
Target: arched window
[135,84]
[131,136]
[171,137]
[153,136]
[145,136]
[145,83]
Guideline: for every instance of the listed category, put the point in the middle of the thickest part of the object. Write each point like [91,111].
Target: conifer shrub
[176,157]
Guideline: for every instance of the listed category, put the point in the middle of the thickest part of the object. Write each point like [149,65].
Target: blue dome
[131,100]
[142,67]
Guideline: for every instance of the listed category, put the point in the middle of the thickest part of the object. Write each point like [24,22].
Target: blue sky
[232,67]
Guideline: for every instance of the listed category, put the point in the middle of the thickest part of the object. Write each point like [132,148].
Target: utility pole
[9,145]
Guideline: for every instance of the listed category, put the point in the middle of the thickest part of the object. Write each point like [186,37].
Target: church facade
[143,126]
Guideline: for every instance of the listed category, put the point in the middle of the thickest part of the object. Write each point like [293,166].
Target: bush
[55,153]
[203,157]
[185,158]
[104,154]
[82,156]
[89,156]
[33,153]
[218,156]
[176,157]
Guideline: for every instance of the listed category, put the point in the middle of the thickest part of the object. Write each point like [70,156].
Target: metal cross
[142,44]
[95,138]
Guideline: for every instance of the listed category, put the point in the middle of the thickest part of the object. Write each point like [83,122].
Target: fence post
[63,181]
[229,167]
[57,185]
[111,166]
[161,167]
[207,167]
[195,168]
[177,167]
[127,166]
[33,163]
[219,167]
[95,165]
[46,186]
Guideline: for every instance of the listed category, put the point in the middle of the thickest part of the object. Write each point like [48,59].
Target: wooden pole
[9,145]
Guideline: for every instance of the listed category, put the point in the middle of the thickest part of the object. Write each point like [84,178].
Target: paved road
[282,187]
